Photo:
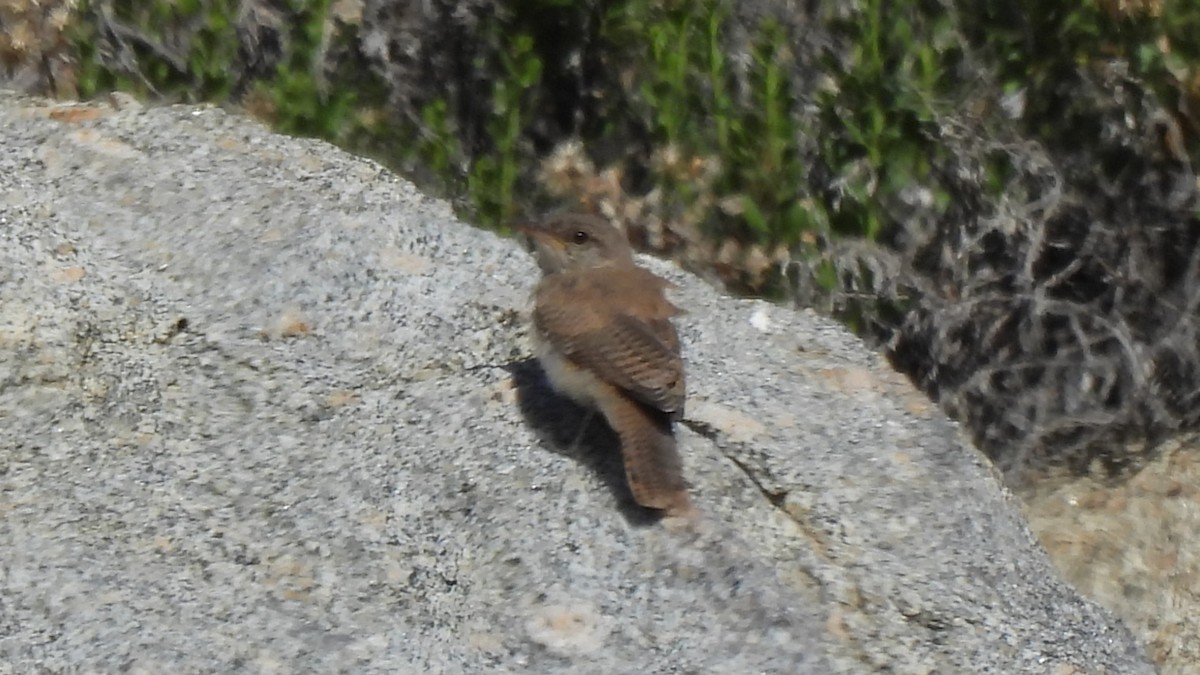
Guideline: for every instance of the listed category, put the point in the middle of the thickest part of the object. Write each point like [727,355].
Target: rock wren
[604,337]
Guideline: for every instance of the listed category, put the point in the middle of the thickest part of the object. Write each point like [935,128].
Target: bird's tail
[653,466]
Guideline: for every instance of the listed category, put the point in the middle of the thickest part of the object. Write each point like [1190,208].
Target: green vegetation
[750,158]
[492,181]
[882,110]
[303,102]
[203,73]
[190,50]
[688,99]
[1038,47]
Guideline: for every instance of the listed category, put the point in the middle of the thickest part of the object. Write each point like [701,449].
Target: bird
[603,334]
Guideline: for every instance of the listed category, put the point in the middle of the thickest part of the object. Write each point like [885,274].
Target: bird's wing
[617,328]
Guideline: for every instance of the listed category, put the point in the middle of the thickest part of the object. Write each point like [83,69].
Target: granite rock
[267,408]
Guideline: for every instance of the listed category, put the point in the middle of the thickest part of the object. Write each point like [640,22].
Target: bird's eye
[580,237]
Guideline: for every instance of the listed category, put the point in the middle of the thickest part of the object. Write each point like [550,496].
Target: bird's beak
[539,237]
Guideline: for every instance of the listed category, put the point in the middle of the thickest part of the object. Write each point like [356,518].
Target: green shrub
[780,167]
[190,50]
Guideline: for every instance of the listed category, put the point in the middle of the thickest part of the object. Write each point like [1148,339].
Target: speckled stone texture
[266,408]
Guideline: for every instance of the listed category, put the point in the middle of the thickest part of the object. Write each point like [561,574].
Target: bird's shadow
[558,422]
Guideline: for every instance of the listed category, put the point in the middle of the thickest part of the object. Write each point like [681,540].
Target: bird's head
[572,241]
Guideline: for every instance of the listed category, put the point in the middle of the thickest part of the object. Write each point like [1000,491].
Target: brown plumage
[605,338]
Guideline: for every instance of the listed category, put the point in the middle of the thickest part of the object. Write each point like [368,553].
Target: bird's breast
[567,378]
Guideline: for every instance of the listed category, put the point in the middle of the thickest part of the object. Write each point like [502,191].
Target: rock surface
[268,409]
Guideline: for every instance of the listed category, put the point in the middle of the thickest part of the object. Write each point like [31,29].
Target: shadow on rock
[559,423]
